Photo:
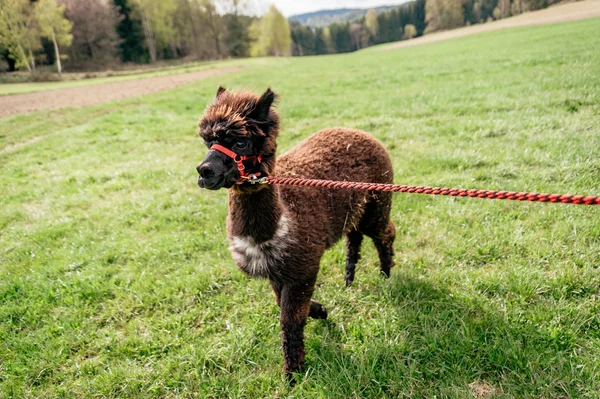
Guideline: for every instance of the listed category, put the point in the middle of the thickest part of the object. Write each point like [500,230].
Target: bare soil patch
[481,390]
[560,13]
[99,93]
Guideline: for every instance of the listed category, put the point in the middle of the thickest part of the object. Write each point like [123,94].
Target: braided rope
[452,192]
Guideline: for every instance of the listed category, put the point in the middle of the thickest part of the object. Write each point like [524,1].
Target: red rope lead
[452,192]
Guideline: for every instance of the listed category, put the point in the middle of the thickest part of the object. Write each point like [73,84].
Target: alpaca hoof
[322,313]
[349,279]
[317,311]
[290,379]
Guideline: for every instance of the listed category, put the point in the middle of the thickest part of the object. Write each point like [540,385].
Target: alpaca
[281,233]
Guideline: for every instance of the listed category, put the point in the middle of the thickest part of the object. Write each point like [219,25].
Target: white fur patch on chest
[264,258]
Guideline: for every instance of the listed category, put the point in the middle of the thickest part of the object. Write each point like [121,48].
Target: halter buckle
[254,179]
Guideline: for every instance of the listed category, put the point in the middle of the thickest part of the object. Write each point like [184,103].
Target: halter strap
[239,160]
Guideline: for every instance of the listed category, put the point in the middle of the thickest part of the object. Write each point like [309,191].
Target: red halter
[239,160]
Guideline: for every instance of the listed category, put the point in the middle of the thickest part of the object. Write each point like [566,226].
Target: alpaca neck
[255,215]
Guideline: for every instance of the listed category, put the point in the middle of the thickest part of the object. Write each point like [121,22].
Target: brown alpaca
[281,233]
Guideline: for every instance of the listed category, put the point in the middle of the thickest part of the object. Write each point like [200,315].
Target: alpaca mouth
[202,183]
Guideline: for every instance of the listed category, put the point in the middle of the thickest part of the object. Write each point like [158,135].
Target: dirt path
[99,93]
[561,13]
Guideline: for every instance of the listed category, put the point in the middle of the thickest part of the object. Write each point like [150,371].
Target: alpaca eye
[241,145]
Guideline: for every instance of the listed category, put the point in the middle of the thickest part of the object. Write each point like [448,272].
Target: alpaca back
[324,215]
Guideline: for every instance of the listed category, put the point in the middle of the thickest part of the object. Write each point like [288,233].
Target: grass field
[116,280]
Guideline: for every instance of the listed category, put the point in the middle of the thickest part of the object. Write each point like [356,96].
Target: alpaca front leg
[317,310]
[277,291]
[295,306]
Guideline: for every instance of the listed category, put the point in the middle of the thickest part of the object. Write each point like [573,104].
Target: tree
[238,37]
[477,12]
[371,22]
[516,7]
[54,26]
[271,34]
[358,36]
[157,21]
[443,14]
[212,20]
[15,35]
[321,44]
[94,29]
[497,14]
[186,28]
[340,37]
[504,7]
[327,41]
[410,31]
[33,40]
[131,34]
[303,38]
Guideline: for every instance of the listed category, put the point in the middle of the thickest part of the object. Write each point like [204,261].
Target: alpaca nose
[205,171]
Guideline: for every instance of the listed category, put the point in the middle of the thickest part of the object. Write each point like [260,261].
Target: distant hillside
[325,17]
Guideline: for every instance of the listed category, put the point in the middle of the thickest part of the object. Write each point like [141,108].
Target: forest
[87,35]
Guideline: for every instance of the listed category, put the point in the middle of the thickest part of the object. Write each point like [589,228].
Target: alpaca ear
[220,91]
[261,111]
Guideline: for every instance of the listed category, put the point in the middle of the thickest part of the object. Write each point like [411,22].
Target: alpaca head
[245,124]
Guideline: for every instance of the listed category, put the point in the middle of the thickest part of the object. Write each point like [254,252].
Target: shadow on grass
[424,341]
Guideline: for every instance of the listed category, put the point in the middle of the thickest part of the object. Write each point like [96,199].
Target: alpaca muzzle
[239,161]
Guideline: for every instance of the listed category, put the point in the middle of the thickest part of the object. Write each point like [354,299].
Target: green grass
[21,88]
[116,281]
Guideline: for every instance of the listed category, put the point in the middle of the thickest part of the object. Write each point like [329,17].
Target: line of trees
[410,20]
[96,34]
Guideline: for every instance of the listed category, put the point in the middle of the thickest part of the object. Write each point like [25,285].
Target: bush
[43,76]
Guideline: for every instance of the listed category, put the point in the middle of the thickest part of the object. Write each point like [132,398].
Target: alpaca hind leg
[377,225]
[317,311]
[353,241]
[384,243]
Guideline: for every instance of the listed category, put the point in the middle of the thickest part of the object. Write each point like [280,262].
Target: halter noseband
[239,160]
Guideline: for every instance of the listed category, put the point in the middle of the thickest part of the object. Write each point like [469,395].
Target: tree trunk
[32,59]
[197,49]
[215,29]
[218,46]
[24,57]
[57,54]
[214,25]
[148,33]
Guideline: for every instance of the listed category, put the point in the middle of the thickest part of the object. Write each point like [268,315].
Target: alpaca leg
[295,307]
[277,291]
[353,241]
[317,311]
[376,224]
[384,243]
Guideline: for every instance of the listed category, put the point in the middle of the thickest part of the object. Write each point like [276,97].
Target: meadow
[115,274]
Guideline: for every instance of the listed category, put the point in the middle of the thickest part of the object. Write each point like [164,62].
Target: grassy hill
[116,280]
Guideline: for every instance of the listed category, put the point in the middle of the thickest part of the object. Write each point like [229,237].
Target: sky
[293,7]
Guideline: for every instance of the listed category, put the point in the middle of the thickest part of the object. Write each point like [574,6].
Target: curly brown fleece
[281,233]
